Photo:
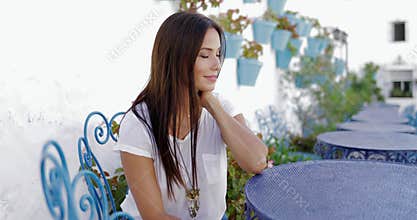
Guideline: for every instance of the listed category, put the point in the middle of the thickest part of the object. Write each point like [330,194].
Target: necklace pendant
[193,201]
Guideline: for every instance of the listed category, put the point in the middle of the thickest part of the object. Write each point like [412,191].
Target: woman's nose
[216,64]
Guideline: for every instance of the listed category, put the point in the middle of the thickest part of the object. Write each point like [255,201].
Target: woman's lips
[211,78]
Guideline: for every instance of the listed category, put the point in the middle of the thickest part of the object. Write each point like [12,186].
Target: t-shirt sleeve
[231,109]
[134,137]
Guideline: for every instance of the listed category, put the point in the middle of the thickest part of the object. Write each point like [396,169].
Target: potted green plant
[194,5]
[233,25]
[263,27]
[248,65]
[281,35]
[292,16]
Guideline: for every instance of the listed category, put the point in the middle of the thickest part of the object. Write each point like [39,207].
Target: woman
[173,138]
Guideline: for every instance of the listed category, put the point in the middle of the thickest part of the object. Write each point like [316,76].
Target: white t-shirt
[211,160]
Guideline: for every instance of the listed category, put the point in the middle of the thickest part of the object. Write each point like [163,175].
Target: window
[398,31]
[402,89]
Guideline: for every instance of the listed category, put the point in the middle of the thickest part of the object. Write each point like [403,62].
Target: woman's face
[207,64]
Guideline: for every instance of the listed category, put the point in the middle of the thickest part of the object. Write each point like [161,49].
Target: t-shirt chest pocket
[213,167]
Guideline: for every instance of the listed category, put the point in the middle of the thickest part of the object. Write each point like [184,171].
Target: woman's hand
[208,100]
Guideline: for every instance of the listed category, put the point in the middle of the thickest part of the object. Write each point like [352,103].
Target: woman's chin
[207,88]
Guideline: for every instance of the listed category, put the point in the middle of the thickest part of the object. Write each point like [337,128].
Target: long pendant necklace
[191,194]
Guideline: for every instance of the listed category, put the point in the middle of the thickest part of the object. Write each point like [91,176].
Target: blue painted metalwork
[271,123]
[392,147]
[102,133]
[333,189]
[375,127]
[59,190]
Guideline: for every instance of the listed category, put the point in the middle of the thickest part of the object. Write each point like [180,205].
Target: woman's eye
[203,56]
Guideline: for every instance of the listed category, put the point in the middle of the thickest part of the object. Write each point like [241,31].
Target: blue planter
[324,42]
[313,45]
[307,29]
[296,43]
[339,66]
[301,25]
[247,71]
[279,39]
[311,53]
[262,31]
[233,45]
[277,6]
[283,58]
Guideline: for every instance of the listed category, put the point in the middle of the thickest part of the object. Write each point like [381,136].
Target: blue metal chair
[59,190]
[99,193]
[88,160]
[270,122]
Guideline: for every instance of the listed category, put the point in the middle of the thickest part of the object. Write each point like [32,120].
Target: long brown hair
[174,53]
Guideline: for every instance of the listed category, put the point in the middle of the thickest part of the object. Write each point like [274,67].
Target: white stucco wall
[71,43]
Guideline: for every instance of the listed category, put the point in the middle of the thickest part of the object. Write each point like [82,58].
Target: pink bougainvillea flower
[270,163]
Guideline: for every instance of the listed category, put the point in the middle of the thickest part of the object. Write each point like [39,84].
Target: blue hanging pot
[339,66]
[233,45]
[307,29]
[324,42]
[301,25]
[279,39]
[283,58]
[312,49]
[311,53]
[277,6]
[247,71]
[262,30]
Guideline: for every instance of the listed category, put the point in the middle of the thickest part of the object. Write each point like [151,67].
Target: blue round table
[382,105]
[333,189]
[384,146]
[375,127]
[380,116]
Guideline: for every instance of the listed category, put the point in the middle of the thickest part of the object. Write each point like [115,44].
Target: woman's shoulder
[136,115]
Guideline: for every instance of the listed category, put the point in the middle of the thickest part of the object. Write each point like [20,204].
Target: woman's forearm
[248,150]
